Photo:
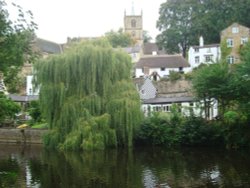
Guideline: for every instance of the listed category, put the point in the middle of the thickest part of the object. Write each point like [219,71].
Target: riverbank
[21,136]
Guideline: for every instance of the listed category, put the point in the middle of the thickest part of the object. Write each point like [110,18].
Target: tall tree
[176,26]
[214,81]
[88,97]
[243,80]
[146,37]
[15,40]
[119,38]
[183,21]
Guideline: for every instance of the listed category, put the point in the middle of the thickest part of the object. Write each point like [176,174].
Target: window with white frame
[166,108]
[230,59]
[235,30]
[197,59]
[208,58]
[243,40]
[230,42]
[196,50]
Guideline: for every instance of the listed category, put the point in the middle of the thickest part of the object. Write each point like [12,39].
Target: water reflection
[141,167]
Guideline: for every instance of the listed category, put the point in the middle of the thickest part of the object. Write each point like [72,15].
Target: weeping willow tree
[88,98]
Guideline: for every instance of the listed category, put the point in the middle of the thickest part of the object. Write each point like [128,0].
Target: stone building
[235,36]
[134,26]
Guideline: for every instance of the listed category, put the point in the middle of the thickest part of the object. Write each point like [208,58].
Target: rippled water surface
[32,166]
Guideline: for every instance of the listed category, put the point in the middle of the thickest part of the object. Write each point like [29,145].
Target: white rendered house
[158,66]
[203,54]
[153,101]
[30,90]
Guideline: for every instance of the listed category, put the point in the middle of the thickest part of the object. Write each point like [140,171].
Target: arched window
[133,23]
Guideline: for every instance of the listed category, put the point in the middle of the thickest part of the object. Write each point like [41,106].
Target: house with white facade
[203,54]
[134,52]
[159,66]
[161,96]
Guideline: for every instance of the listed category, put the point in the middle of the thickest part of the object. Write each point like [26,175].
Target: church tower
[134,26]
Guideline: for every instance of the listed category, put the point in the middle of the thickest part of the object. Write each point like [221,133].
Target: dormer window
[235,30]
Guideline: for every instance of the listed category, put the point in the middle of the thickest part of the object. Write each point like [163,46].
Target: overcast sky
[59,19]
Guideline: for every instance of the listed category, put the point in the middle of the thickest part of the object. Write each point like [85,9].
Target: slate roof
[25,98]
[166,61]
[48,46]
[149,48]
[206,46]
[163,100]
[132,49]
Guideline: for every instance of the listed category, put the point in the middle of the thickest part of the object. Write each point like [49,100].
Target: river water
[33,166]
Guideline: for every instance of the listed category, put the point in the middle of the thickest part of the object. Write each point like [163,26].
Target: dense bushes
[163,130]
[8,109]
[158,130]
[196,131]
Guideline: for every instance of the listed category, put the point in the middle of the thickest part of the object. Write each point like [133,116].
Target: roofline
[164,55]
[204,46]
[168,100]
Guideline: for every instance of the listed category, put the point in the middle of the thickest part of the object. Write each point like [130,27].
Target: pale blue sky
[59,19]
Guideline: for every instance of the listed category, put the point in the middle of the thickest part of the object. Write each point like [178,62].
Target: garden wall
[25,136]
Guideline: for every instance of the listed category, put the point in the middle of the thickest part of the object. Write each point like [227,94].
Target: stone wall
[179,88]
[27,136]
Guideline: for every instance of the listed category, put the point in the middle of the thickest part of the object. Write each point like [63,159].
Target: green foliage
[15,43]
[225,51]
[231,117]
[88,97]
[35,111]
[189,131]
[8,108]
[158,130]
[146,37]
[182,22]
[40,126]
[174,75]
[119,38]
[196,132]
[214,81]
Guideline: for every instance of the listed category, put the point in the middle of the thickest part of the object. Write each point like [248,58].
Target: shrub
[196,132]
[173,75]
[158,130]
[8,108]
